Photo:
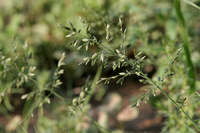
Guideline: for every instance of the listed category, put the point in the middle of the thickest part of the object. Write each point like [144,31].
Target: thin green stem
[189,2]
[173,101]
[101,128]
[186,43]
[92,89]
[94,83]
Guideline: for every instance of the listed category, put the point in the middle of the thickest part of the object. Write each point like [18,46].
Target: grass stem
[186,43]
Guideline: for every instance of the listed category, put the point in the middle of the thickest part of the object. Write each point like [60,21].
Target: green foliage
[37,76]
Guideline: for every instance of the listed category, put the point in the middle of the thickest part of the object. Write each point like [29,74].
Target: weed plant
[37,76]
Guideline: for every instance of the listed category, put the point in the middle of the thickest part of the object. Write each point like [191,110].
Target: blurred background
[151,27]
